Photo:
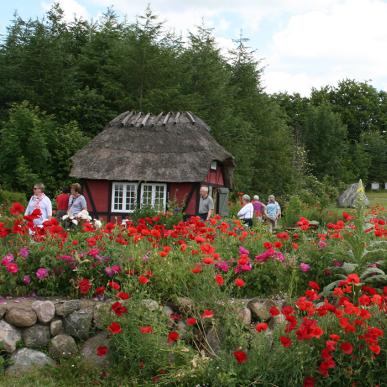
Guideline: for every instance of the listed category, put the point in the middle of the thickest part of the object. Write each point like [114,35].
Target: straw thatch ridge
[171,147]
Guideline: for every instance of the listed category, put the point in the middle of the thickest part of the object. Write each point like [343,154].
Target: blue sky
[302,43]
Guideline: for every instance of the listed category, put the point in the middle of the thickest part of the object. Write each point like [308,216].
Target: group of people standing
[269,212]
[70,201]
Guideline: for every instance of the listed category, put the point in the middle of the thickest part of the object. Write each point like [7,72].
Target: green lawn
[378,198]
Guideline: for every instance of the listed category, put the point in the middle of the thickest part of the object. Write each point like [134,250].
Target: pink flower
[26,280]
[243,250]
[322,244]
[7,259]
[24,252]
[12,268]
[42,273]
[304,267]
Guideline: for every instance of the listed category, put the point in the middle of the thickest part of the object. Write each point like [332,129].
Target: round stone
[21,317]
[62,346]
[45,310]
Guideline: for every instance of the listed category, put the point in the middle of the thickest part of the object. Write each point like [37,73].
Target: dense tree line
[61,82]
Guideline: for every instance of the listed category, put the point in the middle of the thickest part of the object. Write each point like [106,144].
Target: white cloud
[346,40]
[70,8]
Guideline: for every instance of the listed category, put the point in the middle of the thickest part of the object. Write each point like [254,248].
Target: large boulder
[66,307]
[89,350]
[78,323]
[354,193]
[9,336]
[25,360]
[37,336]
[45,310]
[62,346]
[21,317]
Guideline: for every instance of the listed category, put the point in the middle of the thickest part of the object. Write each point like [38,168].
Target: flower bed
[209,264]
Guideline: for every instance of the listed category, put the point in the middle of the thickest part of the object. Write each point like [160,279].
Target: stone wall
[39,332]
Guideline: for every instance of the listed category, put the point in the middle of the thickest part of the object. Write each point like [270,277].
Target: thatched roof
[172,147]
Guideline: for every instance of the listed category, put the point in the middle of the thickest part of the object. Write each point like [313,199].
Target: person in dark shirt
[62,202]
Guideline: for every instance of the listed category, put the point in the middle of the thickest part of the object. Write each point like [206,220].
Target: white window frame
[123,209]
[214,165]
[153,185]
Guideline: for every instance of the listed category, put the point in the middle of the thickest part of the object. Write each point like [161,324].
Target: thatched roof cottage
[144,159]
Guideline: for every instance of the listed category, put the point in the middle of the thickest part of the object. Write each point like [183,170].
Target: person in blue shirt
[77,201]
[273,212]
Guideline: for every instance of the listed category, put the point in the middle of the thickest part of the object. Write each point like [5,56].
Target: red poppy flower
[16,209]
[84,286]
[219,279]
[114,285]
[143,280]
[346,348]
[173,337]
[207,313]
[191,321]
[314,285]
[287,310]
[240,282]
[102,350]
[309,381]
[118,309]
[285,341]
[240,357]
[267,245]
[374,348]
[122,295]
[146,329]
[115,328]
[274,311]
[197,269]
[334,337]
[100,290]
[261,327]
[278,245]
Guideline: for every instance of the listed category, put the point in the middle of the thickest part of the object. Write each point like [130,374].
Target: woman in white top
[39,201]
[246,213]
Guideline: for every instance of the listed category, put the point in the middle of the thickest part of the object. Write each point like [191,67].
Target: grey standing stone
[21,317]
[25,360]
[62,346]
[66,307]
[37,336]
[9,336]
[56,327]
[45,310]
[351,195]
[89,350]
[78,323]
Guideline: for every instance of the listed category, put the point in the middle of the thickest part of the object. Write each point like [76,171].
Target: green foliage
[9,197]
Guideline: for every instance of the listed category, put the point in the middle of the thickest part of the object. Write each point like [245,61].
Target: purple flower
[42,273]
[7,259]
[243,250]
[116,269]
[304,267]
[24,252]
[145,258]
[26,280]
[241,268]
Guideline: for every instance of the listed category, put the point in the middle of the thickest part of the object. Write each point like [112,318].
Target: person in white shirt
[246,213]
[41,202]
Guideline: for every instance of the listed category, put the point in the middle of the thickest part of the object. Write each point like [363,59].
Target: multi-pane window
[124,197]
[154,195]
